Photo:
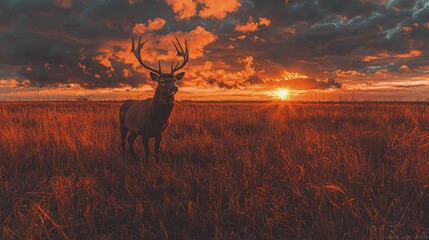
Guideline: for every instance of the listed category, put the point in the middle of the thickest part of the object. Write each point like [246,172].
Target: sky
[238,49]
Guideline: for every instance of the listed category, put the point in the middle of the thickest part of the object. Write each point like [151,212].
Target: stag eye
[162,81]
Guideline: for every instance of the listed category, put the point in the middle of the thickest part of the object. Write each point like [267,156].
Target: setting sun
[282,94]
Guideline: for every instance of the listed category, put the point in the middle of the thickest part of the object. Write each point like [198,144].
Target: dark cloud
[254,79]
[339,35]
[51,43]
[221,84]
[306,84]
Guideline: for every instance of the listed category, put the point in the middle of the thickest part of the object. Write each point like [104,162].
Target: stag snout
[174,89]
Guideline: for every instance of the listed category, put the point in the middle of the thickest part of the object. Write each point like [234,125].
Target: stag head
[166,81]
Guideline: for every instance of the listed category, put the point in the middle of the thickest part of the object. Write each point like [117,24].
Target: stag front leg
[124,132]
[146,147]
[131,139]
[157,141]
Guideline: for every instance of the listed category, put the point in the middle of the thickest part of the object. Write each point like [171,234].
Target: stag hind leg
[157,142]
[131,139]
[146,147]
[124,130]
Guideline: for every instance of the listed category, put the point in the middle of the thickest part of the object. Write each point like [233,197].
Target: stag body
[149,118]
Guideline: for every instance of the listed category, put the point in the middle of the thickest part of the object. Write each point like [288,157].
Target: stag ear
[179,76]
[154,76]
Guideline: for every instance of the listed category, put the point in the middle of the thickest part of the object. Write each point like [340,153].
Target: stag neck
[161,105]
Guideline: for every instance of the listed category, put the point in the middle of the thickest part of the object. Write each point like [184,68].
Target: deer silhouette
[149,118]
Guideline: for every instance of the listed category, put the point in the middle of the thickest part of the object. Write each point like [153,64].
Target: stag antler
[180,53]
[136,52]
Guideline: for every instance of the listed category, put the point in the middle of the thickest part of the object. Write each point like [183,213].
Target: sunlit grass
[228,171]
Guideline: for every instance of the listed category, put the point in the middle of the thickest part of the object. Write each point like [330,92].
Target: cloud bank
[233,44]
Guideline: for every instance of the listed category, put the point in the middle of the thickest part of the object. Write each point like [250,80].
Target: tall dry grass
[228,171]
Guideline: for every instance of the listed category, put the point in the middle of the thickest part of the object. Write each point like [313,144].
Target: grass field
[227,171]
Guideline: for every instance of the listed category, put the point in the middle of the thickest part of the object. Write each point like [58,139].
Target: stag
[149,118]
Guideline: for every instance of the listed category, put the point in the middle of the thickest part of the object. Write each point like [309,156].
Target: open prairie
[227,171]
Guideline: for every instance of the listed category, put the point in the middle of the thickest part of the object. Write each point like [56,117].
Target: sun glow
[282,94]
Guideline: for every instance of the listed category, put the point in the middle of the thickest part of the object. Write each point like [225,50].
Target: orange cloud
[247,27]
[63,3]
[344,18]
[382,73]
[218,74]
[412,53]
[286,75]
[159,48]
[8,83]
[184,8]
[104,59]
[197,39]
[256,38]
[156,24]
[264,21]
[249,68]
[107,63]
[376,57]
[139,28]
[218,8]
[406,69]
[126,73]
[152,25]
[407,29]
[252,26]
[348,73]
